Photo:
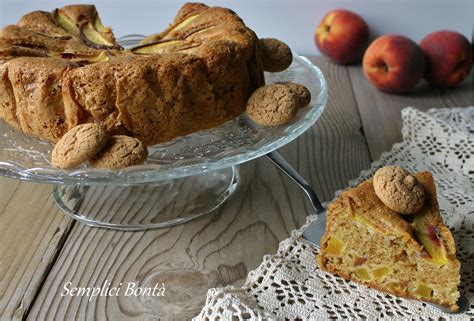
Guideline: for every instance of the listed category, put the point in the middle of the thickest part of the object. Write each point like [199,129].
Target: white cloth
[289,284]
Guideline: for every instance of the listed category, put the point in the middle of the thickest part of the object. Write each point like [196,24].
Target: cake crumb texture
[411,256]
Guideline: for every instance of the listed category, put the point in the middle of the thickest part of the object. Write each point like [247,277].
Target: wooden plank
[380,112]
[215,250]
[32,230]
[333,151]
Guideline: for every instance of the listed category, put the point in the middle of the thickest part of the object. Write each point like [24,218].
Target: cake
[63,68]
[413,256]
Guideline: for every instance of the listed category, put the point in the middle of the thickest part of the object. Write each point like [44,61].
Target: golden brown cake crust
[195,75]
[43,23]
[32,98]
[367,242]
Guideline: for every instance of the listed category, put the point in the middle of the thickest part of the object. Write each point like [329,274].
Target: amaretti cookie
[276,55]
[302,93]
[272,105]
[78,145]
[120,152]
[399,190]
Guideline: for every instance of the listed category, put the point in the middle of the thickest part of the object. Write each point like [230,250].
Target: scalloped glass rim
[238,142]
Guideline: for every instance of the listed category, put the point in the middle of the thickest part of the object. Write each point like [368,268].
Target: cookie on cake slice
[413,256]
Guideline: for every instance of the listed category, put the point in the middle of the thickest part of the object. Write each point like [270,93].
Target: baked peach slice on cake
[195,75]
[83,21]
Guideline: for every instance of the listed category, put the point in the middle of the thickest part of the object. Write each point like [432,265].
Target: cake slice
[406,255]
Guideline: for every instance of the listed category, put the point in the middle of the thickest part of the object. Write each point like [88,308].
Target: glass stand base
[141,207]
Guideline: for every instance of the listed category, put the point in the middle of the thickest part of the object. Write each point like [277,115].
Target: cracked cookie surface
[78,145]
[272,105]
[303,94]
[120,152]
[399,190]
[276,55]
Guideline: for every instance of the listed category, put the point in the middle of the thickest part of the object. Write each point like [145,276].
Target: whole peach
[342,36]
[393,63]
[448,58]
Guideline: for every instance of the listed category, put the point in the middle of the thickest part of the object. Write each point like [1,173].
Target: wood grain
[32,230]
[215,250]
[380,112]
[333,151]
[188,258]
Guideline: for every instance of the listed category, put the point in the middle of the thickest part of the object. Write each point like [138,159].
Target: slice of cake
[406,255]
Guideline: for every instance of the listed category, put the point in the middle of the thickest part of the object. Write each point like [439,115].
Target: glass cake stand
[182,179]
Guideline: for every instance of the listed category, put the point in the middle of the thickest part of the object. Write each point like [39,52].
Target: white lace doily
[290,284]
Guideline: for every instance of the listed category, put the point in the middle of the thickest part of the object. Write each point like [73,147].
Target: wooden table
[41,249]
